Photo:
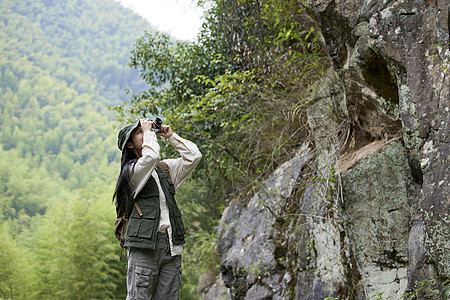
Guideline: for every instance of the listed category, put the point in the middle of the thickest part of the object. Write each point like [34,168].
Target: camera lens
[157,122]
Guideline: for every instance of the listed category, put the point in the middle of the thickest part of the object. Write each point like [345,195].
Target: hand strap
[138,209]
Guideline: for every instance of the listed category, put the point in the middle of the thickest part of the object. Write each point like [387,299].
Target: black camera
[157,122]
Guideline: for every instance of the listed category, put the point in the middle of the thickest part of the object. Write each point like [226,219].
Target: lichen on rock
[363,209]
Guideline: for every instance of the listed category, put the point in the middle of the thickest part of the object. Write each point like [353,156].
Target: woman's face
[138,137]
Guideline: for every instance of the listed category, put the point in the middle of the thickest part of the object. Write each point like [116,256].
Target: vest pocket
[133,227]
[148,223]
[142,226]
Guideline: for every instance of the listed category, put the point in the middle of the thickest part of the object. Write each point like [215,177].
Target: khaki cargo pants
[152,273]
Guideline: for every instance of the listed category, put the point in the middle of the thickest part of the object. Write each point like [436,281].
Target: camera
[157,122]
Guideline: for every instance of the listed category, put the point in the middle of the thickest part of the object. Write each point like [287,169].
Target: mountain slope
[62,64]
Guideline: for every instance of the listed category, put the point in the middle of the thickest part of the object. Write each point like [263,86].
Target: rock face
[363,209]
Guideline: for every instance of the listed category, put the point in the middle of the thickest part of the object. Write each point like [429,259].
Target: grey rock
[374,215]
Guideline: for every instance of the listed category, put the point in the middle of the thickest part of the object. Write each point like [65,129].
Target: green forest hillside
[239,92]
[62,64]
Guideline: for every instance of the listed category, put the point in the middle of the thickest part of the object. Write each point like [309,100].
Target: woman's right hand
[146,124]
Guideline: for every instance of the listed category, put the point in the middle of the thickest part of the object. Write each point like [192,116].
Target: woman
[145,191]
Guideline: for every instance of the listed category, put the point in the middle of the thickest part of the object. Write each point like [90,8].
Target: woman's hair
[123,187]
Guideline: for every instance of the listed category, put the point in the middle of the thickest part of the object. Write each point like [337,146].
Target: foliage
[53,97]
[239,92]
[442,57]
[15,268]
[80,42]
[55,256]
[429,289]
[200,257]
[62,64]
[79,265]
[26,189]
[200,254]
[425,289]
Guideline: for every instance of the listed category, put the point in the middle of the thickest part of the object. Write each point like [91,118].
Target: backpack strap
[138,209]
[165,167]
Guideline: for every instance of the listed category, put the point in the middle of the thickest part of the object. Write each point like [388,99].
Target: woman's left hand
[166,131]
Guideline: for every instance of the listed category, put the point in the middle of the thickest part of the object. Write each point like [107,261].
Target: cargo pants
[153,274]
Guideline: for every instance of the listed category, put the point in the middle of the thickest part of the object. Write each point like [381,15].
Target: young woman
[145,190]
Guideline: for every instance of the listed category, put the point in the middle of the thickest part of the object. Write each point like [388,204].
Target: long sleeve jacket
[179,169]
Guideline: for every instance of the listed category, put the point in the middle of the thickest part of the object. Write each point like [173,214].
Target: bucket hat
[124,134]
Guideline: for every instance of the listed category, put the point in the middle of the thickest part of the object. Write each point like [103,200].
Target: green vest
[142,230]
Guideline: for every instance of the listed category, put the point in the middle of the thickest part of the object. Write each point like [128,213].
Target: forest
[62,64]
[72,72]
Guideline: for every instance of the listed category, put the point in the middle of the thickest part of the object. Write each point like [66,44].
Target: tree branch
[227,150]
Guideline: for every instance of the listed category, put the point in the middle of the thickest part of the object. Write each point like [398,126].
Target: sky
[180,18]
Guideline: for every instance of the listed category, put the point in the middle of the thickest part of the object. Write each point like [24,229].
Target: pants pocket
[144,283]
[143,277]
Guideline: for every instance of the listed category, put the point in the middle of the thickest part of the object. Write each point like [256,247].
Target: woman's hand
[166,131]
[146,124]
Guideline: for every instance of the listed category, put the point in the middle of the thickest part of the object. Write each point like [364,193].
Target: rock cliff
[363,209]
